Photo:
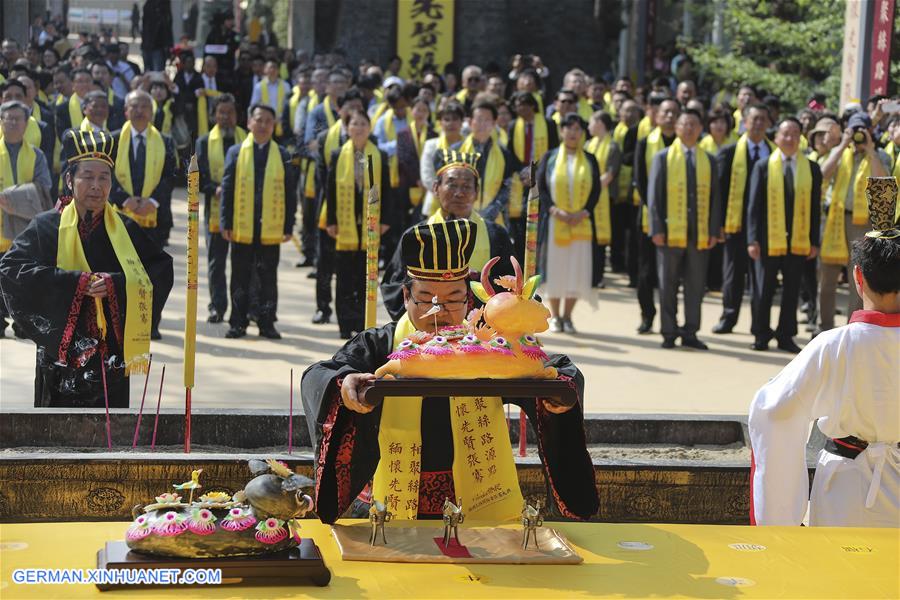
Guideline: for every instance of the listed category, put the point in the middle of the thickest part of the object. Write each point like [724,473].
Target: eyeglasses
[449,306]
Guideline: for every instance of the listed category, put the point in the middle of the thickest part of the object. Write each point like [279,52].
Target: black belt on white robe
[848,447]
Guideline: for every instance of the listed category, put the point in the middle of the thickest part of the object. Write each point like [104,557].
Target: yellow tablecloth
[620,560]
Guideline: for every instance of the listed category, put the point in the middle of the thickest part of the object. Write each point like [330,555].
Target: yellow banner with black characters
[424,35]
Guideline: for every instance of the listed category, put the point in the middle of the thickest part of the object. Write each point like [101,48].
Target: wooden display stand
[509,388]
[298,566]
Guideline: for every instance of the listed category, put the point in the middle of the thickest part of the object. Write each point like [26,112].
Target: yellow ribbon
[775,213]
[492,179]
[834,244]
[24,174]
[563,233]
[153,165]
[345,203]
[602,218]
[215,152]
[273,212]
[539,146]
[677,195]
[484,472]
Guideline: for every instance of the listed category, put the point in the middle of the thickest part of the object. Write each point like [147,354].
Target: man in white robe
[849,379]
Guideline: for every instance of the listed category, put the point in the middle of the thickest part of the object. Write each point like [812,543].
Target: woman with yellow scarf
[569,184]
[346,199]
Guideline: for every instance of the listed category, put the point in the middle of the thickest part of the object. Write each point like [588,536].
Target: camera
[859,135]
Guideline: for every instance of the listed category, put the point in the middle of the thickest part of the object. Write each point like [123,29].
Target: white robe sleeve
[779,426]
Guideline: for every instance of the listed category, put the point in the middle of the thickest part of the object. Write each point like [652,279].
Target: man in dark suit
[254,248]
[661,137]
[150,206]
[211,163]
[801,187]
[68,113]
[43,137]
[751,148]
[683,250]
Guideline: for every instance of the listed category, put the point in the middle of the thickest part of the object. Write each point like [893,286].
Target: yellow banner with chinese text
[424,35]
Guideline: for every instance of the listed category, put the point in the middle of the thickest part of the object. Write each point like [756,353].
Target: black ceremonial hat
[89,145]
[439,251]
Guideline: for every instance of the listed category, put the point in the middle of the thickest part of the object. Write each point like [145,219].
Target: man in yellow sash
[415,452]
[849,164]
[101,73]
[473,83]
[274,92]
[211,150]
[327,142]
[782,233]
[661,137]
[496,165]
[68,113]
[685,222]
[735,164]
[96,114]
[456,188]
[531,135]
[24,181]
[85,283]
[145,169]
[257,216]
[38,133]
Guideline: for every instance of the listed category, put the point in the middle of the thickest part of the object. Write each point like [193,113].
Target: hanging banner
[424,35]
[882,32]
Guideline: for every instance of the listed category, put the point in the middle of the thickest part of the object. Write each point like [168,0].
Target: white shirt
[762,149]
[209,82]
[848,379]
[788,161]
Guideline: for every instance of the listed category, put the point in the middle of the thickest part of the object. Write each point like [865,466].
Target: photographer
[850,163]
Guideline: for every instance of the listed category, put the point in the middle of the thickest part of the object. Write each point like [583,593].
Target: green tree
[788,47]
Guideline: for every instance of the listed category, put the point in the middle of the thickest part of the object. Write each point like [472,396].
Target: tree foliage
[788,47]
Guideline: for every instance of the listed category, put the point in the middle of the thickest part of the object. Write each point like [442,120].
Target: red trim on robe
[84,280]
[342,460]
[113,303]
[327,429]
[874,317]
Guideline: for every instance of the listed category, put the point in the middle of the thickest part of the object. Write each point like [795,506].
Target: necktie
[788,179]
[754,156]
[137,172]
[528,142]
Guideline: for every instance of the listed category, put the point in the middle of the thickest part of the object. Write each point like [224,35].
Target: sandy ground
[625,372]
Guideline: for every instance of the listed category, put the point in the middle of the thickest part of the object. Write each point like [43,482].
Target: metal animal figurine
[498,338]
[453,517]
[259,519]
[378,516]
[532,518]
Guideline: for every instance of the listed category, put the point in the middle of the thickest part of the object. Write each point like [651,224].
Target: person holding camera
[853,160]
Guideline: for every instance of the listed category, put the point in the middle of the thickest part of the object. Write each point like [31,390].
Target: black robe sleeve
[345,443]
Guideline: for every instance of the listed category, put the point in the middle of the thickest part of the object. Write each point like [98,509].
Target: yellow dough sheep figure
[496,342]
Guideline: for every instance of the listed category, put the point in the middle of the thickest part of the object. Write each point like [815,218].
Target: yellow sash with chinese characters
[215,153]
[677,197]
[332,143]
[75,114]
[390,133]
[602,220]
[539,146]
[776,239]
[834,244]
[484,472]
[279,103]
[153,166]
[24,174]
[138,287]
[734,208]
[625,171]
[345,202]
[563,233]
[272,229]
[492,179]
[655,143]
[416,193]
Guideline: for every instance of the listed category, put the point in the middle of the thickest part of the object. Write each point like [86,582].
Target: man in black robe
[344,426]
[456,189]
[56,307]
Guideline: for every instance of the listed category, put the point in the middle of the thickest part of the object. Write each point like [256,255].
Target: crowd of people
[675,186]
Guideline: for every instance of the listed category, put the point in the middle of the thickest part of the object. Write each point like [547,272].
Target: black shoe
[321,318]
[788,345]
[668,343]
[692,342]
[312,275]
[269,331]
[154,334]
[236,332]
[214,316]
[759,346]
[645,326]
[723,327]
[304,263]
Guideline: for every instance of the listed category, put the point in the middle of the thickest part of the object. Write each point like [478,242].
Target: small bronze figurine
[378,516]
[531,520]
[453,516]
